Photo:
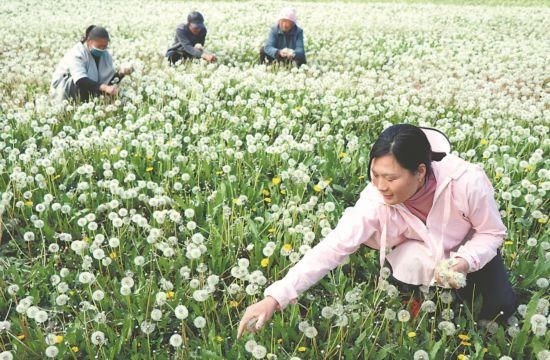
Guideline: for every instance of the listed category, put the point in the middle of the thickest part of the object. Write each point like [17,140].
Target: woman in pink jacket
[423,206]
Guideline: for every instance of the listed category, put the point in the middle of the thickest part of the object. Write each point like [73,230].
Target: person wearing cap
[285,42]
[189,40]
[430,208]
[87,69]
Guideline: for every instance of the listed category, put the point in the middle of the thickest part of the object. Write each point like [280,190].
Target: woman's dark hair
[87,33]
[95,32]
[408,144]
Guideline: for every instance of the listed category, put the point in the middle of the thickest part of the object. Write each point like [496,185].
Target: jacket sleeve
[359,224]
[186,44]
[300,52]
[270,47]
[489,231]
[77,66]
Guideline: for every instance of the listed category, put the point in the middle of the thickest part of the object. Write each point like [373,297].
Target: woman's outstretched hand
[256,315]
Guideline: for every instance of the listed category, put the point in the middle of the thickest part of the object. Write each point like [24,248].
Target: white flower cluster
[447,275]
[256,350]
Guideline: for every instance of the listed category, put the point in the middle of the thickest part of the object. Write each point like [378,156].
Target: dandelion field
[143,227]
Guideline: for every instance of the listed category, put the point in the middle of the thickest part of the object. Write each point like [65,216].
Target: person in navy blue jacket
[189,40]
[285,42]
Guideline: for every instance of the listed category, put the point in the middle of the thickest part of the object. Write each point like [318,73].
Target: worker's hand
[209,57]
[199,47]
[126,70]
[108,89]
[256,315]
[461,266]
[283,53]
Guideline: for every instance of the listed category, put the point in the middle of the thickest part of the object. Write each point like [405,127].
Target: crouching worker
[428,205]
[189,40]
[285,42]
[87,70]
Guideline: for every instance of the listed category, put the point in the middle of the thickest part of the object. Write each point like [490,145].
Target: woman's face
[286,25]
[100,44]
[395,183]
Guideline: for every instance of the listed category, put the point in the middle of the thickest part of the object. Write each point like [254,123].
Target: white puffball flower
[98,338]
[181,312]
[51,351]
[199,322]
[176,340]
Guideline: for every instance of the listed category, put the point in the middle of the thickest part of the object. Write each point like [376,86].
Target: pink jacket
[464,222]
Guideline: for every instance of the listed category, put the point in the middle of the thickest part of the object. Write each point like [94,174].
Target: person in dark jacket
[189,40]
[285,42]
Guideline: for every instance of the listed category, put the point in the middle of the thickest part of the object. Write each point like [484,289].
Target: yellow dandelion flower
[276,180]
[233,304]
[113,255]
[74,349]
[149,169]
[302,349]
[28,203]
[279,341]
[317,188]
[283,191]
[508,242]
[361,177]
[342,155]
[267,200]
[542,220]
[170,294]
[265,192]
[219,172]
[328,181]
[235,201]
[149,157]
[287,247]
[264,262]
[465,343]
[411,334]
[219,339]
[271,230]
[484,141]
[464,337]
[21,337]
[58,339]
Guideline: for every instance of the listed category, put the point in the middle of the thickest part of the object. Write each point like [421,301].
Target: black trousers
[264,58]
[173,57]
[491,282]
